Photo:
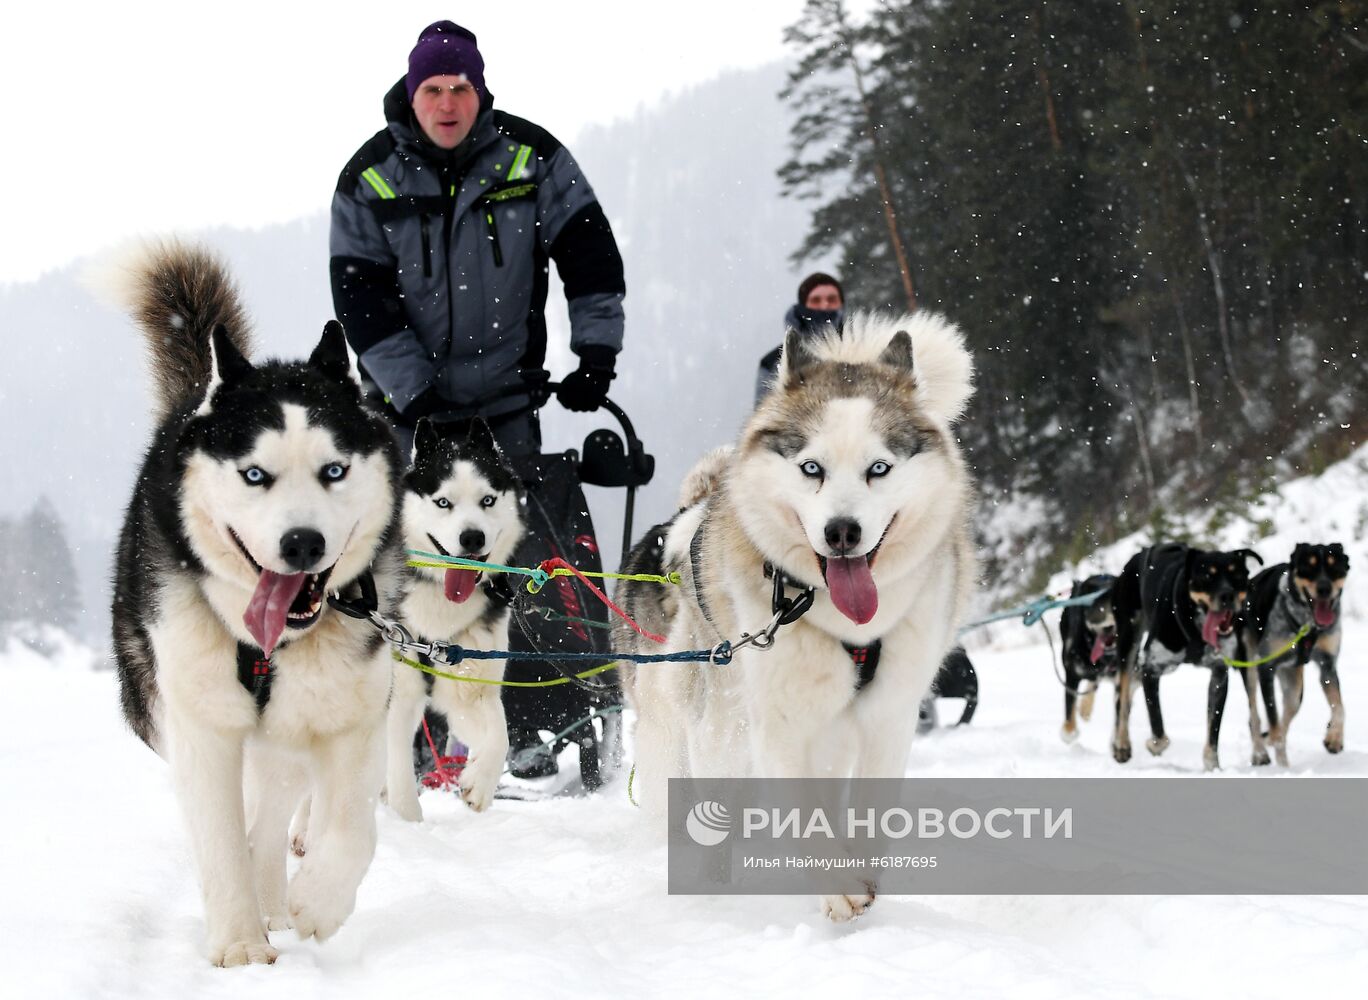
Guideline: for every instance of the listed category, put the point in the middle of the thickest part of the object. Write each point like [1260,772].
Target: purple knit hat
[445,48]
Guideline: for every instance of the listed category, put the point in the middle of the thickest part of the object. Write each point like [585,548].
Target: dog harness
[254,673]
[866,660]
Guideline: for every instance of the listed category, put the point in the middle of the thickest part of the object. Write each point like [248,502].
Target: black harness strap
[255,674]
[498,590]
[696,567]
[866,660]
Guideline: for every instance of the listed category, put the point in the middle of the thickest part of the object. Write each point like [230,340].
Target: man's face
[825,297]
[446,108]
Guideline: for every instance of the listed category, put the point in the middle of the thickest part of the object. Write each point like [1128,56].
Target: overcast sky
[143,117]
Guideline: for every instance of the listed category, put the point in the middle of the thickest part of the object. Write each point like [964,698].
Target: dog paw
[1211,760]
[405,803]
[1260,758]
[1067,734]
[1334,743]
[244,953]
[1121,754]
[318,905]
[841,908]
[477,790]
[278,922]
[1281,754]
[1157,744]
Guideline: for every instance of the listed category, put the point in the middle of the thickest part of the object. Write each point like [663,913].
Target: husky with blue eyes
[461,498]
[846,486]
[268,488]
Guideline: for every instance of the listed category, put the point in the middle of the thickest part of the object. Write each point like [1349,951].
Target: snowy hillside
[565,897]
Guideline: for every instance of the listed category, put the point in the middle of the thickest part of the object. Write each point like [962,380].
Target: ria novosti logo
[708,823]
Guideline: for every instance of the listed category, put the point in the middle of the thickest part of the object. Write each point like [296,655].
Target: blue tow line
[1033,611]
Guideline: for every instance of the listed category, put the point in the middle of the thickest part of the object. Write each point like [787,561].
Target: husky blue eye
[811,469]
[254,475]
[442,502]
[879,469]
[489,501]
[334,472]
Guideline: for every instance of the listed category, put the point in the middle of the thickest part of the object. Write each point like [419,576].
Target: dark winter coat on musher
[440,263]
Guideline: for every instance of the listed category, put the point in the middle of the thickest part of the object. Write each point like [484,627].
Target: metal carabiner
[393,632]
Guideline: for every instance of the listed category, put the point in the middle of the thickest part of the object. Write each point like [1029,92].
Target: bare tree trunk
[1214,266]
[1146,465]
[1194,400]
[1043,75]
[880,174]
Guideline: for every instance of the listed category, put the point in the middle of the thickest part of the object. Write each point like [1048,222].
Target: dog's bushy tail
[177,293]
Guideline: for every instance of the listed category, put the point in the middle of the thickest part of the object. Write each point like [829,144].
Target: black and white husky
[266,488]
[461,499]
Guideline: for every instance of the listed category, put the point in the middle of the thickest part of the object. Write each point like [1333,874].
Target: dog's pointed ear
[425,438]
[795,359]
[330,356]
[227,363]
[898,353]
[480,437]
[1251,554]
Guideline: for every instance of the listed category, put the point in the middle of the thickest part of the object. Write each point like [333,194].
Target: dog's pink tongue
[1099,649]
[852,589]
[460,584]
[270,603]
[1324,613]
[1212,625]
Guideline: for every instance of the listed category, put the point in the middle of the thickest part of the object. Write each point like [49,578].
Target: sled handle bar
[473,410]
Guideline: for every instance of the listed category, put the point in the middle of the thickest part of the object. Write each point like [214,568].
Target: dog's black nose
[842,534]
[1324,589]
[472,540]
[302,548]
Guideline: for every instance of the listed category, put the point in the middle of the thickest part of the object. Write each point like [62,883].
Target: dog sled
[548,709]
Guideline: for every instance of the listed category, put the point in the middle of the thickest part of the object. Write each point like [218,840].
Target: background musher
[821,304]
[443,227]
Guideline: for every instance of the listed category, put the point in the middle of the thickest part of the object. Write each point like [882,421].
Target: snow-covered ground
[566,896]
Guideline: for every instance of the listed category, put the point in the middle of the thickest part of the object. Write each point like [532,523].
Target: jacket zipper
[494,237]
[427,248]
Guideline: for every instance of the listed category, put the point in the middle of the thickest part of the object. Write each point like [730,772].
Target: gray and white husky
[461,499]
[846,480]
[266,488]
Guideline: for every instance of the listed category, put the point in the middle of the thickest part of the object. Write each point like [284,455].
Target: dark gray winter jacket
[439,258]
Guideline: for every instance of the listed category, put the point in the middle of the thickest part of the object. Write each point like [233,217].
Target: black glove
[586,387]
[425,404]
